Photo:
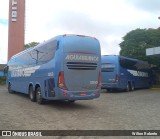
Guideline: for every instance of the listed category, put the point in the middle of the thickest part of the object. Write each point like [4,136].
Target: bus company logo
[24,72]
[82,58]
[138,73]
[14,10]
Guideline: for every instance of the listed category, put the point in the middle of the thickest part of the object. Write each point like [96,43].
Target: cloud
[3,43]
[4,21]
[3,30]
[108,21]
[4,6]
[69,22]
[79,23]
[147,5]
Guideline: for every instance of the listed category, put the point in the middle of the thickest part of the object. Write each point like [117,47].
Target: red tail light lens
[99,81]
[65,94]
[116,78]
[61,81]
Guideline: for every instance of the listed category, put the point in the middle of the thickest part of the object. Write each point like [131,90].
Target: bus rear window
[81,44]
[107,67]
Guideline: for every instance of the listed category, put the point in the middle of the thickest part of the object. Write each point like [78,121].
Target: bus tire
[39,98]
[10,88]
[109,90]
[71,101]
[132,87]
[128,87]
[32,94]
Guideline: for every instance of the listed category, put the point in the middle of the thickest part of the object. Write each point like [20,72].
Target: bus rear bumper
[74,95]
[110,86]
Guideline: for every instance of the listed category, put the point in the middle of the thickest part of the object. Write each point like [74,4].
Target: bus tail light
[116,78]
[65,94]
[61,81]
[99,81]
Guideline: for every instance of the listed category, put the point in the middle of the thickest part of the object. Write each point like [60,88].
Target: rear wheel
[71,101]
[132,87]
[32,94]
[10,88]
[39,98]
[128,87]
[109,90]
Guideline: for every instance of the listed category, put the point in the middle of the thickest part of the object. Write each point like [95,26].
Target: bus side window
[47,52]
[128,64]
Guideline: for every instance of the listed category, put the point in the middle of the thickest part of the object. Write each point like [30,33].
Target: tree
[32,44]
[136,42]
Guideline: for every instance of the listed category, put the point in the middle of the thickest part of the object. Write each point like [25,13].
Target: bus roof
[133,59]
[140,63]
[54,38]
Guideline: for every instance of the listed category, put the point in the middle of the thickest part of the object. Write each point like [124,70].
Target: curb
[155,88]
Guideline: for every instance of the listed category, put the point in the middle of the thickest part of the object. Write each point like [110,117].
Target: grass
[2,80]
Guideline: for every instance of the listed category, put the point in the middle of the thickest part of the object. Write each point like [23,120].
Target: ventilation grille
[81,66]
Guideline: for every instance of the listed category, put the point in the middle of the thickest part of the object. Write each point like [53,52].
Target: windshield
[83,45]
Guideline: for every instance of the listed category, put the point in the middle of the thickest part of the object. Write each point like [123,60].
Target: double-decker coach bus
[122,73]
[66,67]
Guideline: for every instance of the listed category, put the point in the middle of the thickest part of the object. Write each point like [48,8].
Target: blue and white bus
[66,67]
[122,73]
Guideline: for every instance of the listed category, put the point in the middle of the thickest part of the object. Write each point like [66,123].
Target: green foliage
[136,42]
[2,80]
[32,44]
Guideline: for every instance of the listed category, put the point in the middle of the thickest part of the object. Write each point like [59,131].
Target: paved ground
[138,110]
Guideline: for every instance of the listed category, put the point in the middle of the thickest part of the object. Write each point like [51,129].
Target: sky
[107,20]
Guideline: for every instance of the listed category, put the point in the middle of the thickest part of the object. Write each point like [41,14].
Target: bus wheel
[32,94]
[9,88]
[39,98]
[128,87]
[71,101]
[132,87]
[109,90]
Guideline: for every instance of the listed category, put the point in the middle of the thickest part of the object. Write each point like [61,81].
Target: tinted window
[46,53]
[81,44]
[41,54]
[107,67]
[35,56]
[133,64]
[127,64]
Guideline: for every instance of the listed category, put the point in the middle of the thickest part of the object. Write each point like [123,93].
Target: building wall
[153,51]
[16,27]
